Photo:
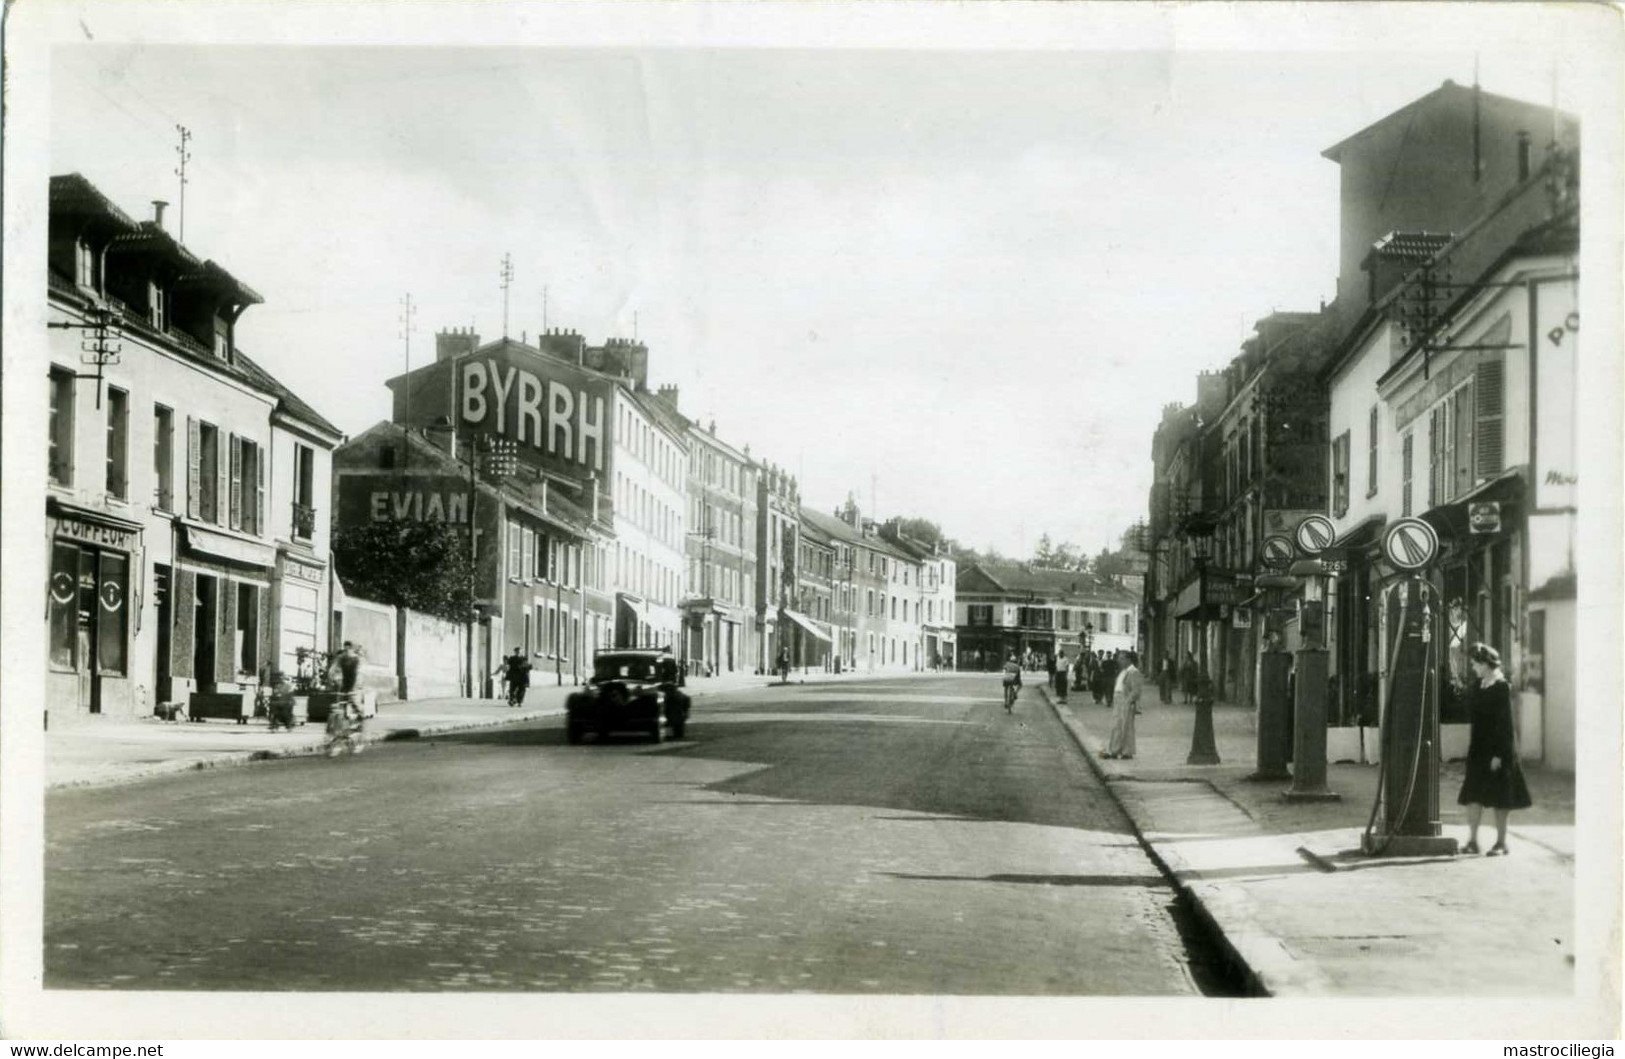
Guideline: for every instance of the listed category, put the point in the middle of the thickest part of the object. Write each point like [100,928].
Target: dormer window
[157,306]
[222,339]
[85,264]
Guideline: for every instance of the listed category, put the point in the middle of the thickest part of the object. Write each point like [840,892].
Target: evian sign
[545,416]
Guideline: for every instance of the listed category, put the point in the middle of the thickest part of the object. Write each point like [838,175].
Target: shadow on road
[1040,880]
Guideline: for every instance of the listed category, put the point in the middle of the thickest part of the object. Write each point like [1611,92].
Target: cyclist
[1012,681]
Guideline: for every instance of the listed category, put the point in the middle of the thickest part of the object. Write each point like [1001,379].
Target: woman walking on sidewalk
[1494,777]
[1125,704]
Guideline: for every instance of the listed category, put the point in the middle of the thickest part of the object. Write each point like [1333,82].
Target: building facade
[778,521]
[1007,609]
[188,555]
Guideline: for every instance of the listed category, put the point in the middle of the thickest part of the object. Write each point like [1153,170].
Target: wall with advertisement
[556,413]
[364,497]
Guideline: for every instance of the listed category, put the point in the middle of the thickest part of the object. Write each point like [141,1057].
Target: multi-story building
[1452,401]
[812,639]
[845,590]
[778,511]
[935,576]
[870,582]
[1009,609]
[719,582]
[188,555]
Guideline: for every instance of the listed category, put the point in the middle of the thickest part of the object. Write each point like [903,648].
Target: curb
[229,759]
[1197,896]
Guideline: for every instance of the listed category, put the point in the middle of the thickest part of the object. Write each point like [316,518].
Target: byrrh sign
[549,408]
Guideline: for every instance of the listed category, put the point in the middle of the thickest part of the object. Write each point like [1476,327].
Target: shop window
[64,593]
[60,442]
[248,629]
[163,457]
[118,436]
[112,616]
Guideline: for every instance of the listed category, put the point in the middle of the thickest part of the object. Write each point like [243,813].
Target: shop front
[92,591]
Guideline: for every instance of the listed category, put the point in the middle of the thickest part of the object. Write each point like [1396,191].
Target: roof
[287,401]
[1410,246]
[1448,89]
[1022,579]
[829,525]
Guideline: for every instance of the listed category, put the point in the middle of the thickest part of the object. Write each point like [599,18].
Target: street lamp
[1199,528]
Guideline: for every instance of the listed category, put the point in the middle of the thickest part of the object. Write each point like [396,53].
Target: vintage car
[631,690]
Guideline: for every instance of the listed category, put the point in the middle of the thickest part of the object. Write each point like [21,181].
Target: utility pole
[507,282]
[544,308]
[180,171]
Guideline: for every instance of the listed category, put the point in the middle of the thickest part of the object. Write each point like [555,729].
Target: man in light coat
[1125,704]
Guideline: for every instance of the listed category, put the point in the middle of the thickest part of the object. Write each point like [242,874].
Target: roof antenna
[180,171]
[1478,157]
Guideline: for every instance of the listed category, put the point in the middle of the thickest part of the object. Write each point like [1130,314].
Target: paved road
[903,836]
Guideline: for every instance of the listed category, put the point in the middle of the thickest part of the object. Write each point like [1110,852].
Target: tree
[420,565]
[1044,551]
[923,530]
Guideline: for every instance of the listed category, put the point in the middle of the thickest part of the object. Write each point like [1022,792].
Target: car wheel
[655,734]
[677,727]
[574,732]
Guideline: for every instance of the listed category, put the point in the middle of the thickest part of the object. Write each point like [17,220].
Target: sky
[958,283]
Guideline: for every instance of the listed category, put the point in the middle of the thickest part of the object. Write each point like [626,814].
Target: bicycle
[1010,689]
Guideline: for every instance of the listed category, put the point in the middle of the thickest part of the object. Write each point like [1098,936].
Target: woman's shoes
[1471,847]
[1497,850]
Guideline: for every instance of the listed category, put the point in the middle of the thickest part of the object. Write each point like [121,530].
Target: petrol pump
[1405,816]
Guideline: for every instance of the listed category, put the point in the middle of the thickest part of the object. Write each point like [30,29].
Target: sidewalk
[1303,912]
[98,753]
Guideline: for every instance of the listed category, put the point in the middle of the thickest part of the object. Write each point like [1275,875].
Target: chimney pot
[158,212]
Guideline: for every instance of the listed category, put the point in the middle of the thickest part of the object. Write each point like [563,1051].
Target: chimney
[159,204]
[455,343]
[1523,155]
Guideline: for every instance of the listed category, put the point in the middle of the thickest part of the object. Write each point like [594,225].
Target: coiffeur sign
[555,412]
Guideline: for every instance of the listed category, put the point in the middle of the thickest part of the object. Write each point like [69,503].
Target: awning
[633,605]
[231,549]
[1450,520]
[806,623]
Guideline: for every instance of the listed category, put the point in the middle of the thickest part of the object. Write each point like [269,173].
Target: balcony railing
[304,521]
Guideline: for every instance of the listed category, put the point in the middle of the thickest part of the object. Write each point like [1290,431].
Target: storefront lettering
[91,533]
[1559,478]
[1571,325]
[303,572]
[561,426]
[419,507]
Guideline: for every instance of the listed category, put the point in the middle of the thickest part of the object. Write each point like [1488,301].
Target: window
[1340,475]
[88,589]
[1128,623]
[304,492]
[1405,464]
[1371,457]
[527,568]
[60,443]
[84,264]
[163,457]
[157,306]
[247,502]
[203,472]
[222,338]
[118,432]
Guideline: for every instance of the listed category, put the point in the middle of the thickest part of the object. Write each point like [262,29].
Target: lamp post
[1199,529]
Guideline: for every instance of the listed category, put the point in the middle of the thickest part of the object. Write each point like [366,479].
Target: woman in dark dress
[1494,777]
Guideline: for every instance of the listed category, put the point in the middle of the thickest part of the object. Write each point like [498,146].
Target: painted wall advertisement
[378,497]
[555,413]
[1557,340]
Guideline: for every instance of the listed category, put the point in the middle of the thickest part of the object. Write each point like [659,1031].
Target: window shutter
[1433,458]
[222,482]
[1491,414]
[194,465]
[234,517]
[259,490]
[1462,468]
[1406,462]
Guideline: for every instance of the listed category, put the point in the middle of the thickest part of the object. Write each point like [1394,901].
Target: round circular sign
[62,587]
[1314,534]
[1276,552]
[1410,543]
[112,595]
